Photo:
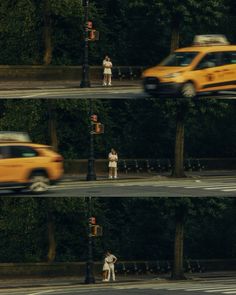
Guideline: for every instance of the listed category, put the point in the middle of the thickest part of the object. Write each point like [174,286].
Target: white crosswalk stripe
[224,187]
[221,286]
[220,289]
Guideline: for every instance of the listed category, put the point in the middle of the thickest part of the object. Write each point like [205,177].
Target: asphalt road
[124,92]
[120,90]
[150,187]
[214,286]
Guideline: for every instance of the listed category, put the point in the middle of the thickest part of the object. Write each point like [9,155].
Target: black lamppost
[85,82]
[89,278]
[91,160]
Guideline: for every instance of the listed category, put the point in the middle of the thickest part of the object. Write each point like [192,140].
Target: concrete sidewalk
[68,281]
[25,282]
[61,84]
[154,176]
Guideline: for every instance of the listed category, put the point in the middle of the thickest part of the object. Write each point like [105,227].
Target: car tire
[188,90]
[39,183]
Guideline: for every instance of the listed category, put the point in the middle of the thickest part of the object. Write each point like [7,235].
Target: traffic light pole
[91,160]
[85,82]
[89,278]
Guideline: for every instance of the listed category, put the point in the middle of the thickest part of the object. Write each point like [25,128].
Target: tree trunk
[52,122]
[179,143]
[178,271]
[47,36]
[179,137]
[174,36]
[51,238]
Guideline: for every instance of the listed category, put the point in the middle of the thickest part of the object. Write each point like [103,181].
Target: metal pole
[89,279]
[85,83]
[91,160]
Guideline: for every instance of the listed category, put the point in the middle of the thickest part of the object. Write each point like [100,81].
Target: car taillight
[58,159]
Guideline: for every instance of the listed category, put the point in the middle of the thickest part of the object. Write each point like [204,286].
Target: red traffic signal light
[94,118]
[89,25]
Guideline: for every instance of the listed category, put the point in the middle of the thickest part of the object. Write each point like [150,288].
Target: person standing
[107,66]
[111,259]
[105,269]
[112,165]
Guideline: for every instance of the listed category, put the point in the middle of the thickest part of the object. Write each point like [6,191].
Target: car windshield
[179,59]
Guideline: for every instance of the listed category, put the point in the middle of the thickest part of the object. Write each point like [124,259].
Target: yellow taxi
[207,66]
[26,165]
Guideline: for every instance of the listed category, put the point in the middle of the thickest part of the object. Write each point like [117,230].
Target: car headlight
[172,75]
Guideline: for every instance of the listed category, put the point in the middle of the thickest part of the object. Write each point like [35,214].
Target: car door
[2,172]
[5,164]
[207,72]
[18,163]
[228,64]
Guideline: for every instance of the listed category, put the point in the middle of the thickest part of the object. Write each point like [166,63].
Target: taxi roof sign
[207,40]
[14,136]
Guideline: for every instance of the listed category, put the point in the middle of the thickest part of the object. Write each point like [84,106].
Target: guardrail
[136,166]
[49,73]
[122,268]
[144,166]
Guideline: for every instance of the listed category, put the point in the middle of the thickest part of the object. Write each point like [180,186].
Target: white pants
[111,272]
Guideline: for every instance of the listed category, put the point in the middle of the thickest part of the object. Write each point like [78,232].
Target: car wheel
[188,90]
[39,183]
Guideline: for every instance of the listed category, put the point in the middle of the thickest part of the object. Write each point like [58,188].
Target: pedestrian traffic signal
[94,118]
[96,231]
[98,128]
[92,220]
[93,35]
[89,25]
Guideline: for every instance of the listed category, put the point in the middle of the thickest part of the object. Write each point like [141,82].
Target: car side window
[22,152]
[1,153]
[210,60]
[4,152]
[228,57]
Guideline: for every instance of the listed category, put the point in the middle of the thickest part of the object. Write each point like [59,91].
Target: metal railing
[156,165]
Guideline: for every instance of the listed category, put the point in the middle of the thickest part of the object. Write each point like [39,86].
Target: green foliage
[23,228]
[137,129]
[18,32]
[123,25]
[210,232]
[133,228]
[133,32]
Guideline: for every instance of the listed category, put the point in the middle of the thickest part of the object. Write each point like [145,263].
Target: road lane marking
[198,185]
[225,289]
[35,95]
[223,187]
[70,289]
[211,289]
[227,286]
[192,288]
[42,292]
[209,186]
